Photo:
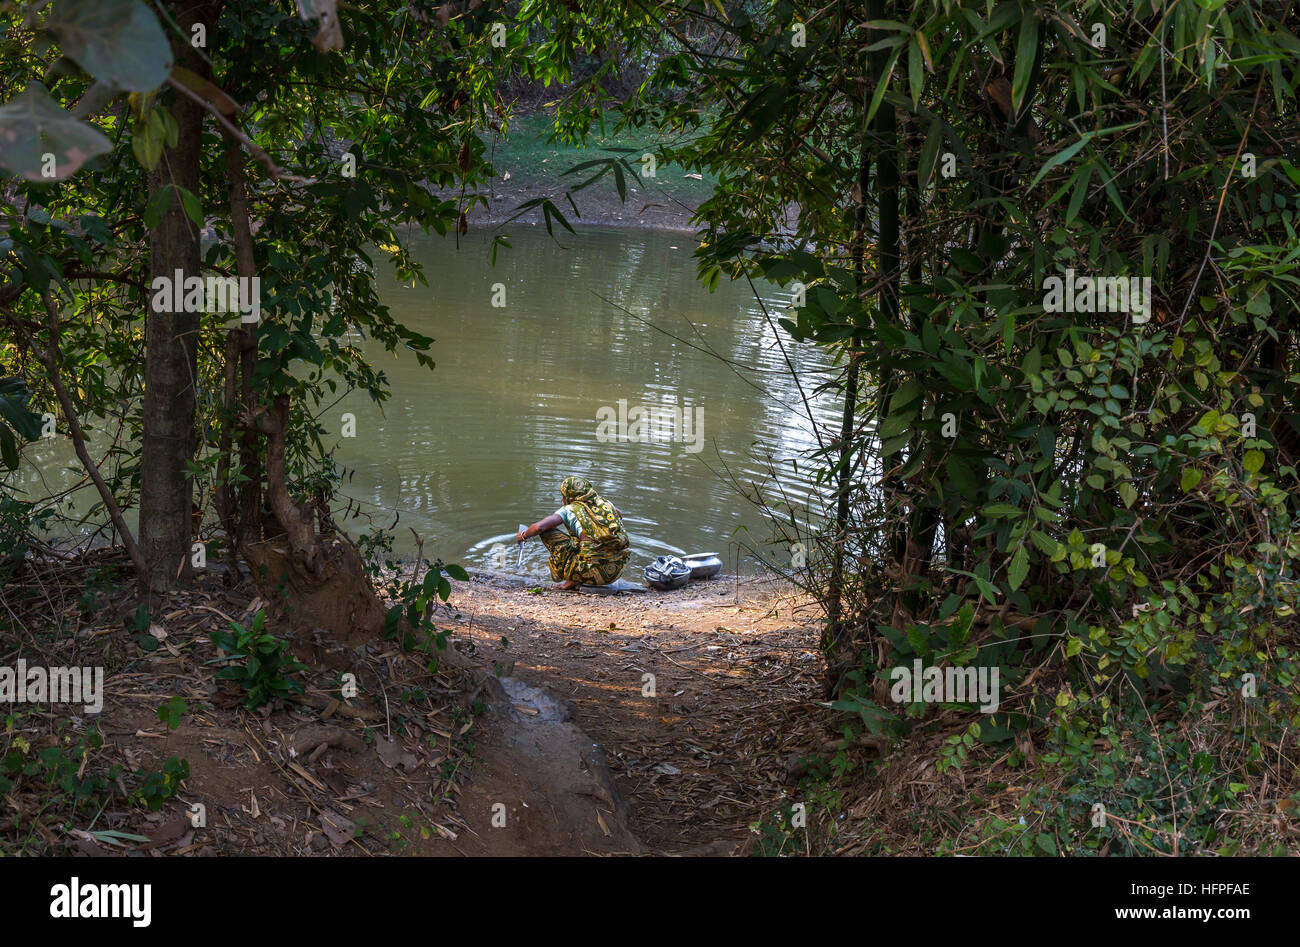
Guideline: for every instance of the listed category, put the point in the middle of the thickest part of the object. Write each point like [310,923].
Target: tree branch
[272,169]
[49,358]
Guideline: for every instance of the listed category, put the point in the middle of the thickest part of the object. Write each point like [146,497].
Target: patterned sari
[598,557]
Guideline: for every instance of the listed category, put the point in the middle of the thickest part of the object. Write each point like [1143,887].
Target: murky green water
[469,451]
[465,453]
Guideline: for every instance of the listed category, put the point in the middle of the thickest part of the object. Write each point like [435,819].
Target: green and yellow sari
[593,547]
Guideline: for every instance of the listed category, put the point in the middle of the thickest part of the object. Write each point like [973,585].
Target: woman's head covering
[600,521]
[577,490]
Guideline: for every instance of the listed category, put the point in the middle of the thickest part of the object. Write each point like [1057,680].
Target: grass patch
[535,163]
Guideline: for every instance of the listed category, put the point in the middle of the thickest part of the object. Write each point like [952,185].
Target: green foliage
[99,581]
[17,423]
[35,125]
[1077,498]
[64,775]
[139,624]
[776,835]
[17,520]
[170,713]
[1104,500]
[266,666]
[118,42]
[376,550]
[157,786]
[410,619]
[59,768]
[403,100]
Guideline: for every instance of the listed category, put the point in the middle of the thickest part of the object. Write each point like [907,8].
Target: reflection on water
[550,385]
[598,365]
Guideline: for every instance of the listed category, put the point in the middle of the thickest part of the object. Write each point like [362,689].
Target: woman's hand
[521,535]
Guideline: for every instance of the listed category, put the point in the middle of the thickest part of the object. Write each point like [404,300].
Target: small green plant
[73,783]
[138,625]
[416,600]
[777,834]
[18,520]
[60,768]
[171,712]
[264,672]
[402,839]
[157,786]
[376,551]
[99,581]
[955,748]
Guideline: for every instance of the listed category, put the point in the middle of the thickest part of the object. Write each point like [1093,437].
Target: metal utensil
[519,566]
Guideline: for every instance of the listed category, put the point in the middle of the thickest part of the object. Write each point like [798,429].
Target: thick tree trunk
[171,346]
[319,580]
[316,580]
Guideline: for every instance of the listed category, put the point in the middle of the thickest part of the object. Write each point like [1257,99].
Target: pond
[597,355]
[598,332]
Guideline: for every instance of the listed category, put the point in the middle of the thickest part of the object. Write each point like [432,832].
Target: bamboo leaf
[915,71]
[1081,177]
[925,50]
[930,152]
[882,83]
[1026,50]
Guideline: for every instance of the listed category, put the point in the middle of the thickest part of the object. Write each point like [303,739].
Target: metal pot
[704,565]
[667,573]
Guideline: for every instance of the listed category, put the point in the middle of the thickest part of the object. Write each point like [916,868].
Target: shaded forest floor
[469,760]
[316,774]
[556,723]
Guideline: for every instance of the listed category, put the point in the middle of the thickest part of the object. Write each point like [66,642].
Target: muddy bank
[598,206]
[703,699]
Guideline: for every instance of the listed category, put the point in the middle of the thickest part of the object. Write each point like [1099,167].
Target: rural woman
[593,546]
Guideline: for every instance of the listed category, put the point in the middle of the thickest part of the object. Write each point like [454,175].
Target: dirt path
[541,735]
[704,747]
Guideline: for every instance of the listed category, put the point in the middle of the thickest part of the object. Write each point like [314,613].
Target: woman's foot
[568,585]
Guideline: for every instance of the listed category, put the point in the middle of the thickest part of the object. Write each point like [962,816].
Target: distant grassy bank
[529,166]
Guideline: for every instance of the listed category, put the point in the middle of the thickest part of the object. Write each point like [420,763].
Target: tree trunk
[316,580]
[242,511]
[171,346]
[884,141]
[880,140]
[835,584]
[319,580]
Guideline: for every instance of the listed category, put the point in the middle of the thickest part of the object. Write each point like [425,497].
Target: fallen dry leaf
[392,755]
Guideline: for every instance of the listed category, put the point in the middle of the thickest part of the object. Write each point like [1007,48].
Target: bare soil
[709,744]
[538,734]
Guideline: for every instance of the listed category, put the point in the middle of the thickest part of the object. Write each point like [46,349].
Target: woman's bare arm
[539,527]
